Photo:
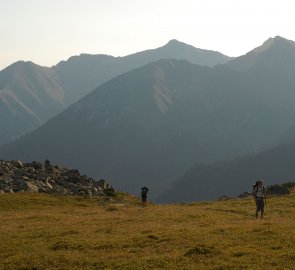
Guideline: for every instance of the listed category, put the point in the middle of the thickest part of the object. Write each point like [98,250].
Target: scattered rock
[225,198]
[17,163]
[16,176]
[32,187]
[245,194]
[202,250]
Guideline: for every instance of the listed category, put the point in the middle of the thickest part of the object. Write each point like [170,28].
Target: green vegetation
[282,189]
[40,231]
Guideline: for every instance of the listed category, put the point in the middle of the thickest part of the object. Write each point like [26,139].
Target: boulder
[31,187]
[17,163]
[43,177]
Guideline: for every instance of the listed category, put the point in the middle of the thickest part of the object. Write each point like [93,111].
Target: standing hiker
[259,194]
[144,191]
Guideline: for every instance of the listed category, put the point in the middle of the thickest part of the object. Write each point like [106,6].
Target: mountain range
[150,125]
[230,178]
[210,181]
[31,94]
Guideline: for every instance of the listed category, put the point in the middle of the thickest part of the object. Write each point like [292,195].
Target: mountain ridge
[272,46]
[68,81]
[27,103]
[208,182]
[151,124]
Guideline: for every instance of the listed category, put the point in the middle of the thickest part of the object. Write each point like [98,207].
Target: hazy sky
[47,31]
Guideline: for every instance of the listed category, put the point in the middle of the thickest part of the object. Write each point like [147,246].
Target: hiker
[259,195]
[144,191]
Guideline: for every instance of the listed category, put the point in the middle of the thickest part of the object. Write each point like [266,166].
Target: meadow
[42,231]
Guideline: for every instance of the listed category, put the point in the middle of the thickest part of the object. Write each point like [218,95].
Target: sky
[48,31]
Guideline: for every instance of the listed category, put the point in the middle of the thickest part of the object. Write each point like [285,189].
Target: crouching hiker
[144,191]
[259,194]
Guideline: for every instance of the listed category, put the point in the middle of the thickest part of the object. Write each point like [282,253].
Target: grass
[40,231]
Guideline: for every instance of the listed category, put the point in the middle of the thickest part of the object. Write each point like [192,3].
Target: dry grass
[39,231]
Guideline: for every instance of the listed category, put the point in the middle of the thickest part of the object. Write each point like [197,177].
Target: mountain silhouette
[31,94]
[150,125]
[273,52]
[271,65]
[81,74]
[211,181]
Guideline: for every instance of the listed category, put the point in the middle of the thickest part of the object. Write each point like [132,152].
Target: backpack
[144,191]
[255,188]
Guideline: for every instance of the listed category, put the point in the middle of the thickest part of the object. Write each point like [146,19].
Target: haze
[46,32]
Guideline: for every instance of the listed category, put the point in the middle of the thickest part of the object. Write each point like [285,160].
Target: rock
[32,187]
[225,198]
[103,184]
[17,164]
[47,184]
[43,177]
[35,165]
[245,194]
[47,163]
[8,190]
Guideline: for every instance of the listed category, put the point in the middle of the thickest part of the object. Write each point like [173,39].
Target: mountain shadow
[208,182]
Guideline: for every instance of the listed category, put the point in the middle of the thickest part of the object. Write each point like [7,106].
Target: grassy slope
[39,231]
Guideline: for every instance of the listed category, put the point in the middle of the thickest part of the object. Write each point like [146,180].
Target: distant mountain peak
[279,38]
[174,41]
[20,65]
[280,41]
[275,42]
[272,50]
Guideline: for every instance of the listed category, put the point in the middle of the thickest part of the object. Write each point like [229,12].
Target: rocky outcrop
[16,176]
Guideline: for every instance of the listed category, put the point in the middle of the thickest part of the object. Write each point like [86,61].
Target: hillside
[205,182]
[41,231]
[31,94]
[273,161]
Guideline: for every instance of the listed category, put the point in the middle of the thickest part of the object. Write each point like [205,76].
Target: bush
[280,189]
